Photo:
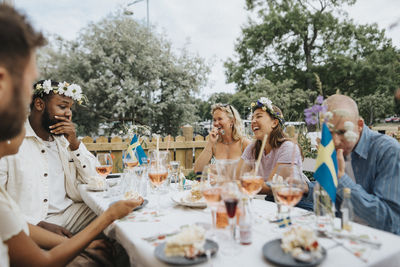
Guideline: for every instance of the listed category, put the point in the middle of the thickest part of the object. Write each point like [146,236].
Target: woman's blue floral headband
[266,105]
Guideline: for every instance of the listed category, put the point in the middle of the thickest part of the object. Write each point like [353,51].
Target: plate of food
[191,198]
[298,247]
[187,247]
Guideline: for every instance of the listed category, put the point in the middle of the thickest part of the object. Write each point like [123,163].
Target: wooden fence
[182,148]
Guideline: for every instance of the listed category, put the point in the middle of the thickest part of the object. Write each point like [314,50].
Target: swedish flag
[136,150]
[326,166]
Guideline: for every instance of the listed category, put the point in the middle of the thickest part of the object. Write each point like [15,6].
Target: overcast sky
[210,26]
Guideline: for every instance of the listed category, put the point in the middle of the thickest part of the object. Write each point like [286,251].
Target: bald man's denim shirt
[376,193]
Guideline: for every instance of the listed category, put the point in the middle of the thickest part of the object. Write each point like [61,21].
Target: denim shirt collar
[361,148]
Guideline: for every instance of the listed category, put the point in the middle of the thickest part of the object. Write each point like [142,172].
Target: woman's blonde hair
[233,114]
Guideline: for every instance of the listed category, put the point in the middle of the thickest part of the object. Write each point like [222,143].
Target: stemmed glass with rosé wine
[289,185]
[104,164]
[211,190]
[251,182]
[157,172]
[129,159]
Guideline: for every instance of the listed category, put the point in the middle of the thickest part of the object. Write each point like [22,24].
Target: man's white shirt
[58,199]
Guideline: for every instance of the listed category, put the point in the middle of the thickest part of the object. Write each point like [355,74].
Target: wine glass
[104,164]
[226,169]
[230,194]
[211,190]
[129,159]
[250,181]
[288,185]
[157,172]
[174,168]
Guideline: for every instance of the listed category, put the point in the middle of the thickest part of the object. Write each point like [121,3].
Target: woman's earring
[8,142]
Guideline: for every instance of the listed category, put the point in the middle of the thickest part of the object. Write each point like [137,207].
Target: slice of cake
[188,243]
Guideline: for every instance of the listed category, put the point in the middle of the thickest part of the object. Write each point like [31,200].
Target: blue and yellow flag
[326,167]
[136,150]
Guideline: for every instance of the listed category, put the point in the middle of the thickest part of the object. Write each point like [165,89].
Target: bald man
[369,164]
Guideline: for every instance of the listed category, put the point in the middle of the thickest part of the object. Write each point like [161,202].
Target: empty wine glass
[226,169]
[174,168]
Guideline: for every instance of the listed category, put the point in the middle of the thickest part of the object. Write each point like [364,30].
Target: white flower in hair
[266,102]
[350,136]
[348,126]
[74,91]
[328,115]
[47,86]
[62,88]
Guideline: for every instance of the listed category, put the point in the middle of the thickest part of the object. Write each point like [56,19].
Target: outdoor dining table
[131,231]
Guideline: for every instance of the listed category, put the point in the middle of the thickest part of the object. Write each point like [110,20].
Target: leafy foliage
[302,40]
[129,74]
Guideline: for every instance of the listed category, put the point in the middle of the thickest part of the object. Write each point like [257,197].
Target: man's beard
[47,121]
[13,116]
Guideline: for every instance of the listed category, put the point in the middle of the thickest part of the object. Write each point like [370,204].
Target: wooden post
[169,142]
[197,151]
[117,156]
[180,153]
[188,134]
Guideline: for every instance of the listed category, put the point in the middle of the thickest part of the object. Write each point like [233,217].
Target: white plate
[180,198]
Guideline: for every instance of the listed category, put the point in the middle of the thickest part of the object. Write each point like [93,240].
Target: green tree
[375,106]
[129,74]
[293,39]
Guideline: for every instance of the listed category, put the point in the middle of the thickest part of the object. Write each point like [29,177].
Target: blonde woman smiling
[226,139]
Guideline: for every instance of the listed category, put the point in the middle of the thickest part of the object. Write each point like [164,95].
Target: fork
[325,234]
[157,236]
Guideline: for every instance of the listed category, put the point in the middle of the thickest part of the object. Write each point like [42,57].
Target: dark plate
[145,201]
[159,253]
[273,252]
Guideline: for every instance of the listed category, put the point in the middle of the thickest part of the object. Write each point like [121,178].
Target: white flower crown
[71,90]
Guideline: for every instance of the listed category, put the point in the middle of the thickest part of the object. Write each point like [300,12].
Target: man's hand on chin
[67,128]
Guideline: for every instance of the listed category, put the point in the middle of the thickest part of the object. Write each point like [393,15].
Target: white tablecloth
[129,233]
